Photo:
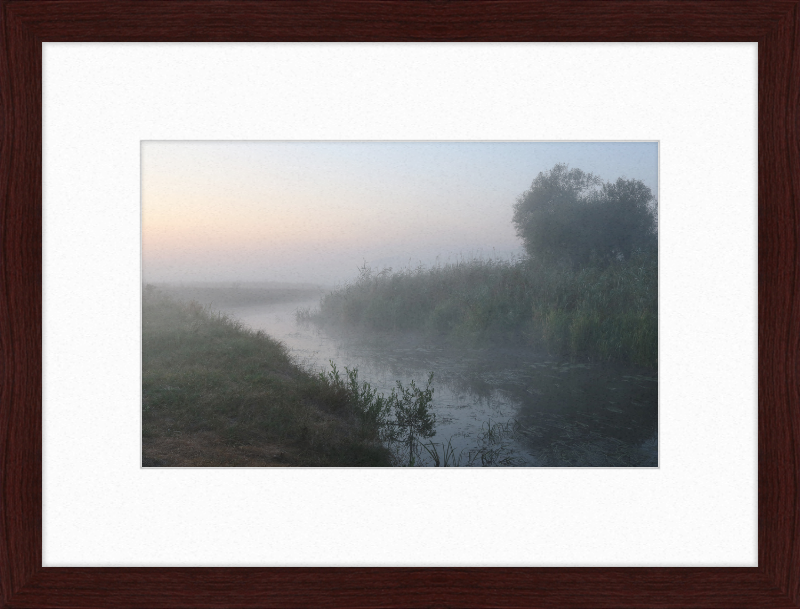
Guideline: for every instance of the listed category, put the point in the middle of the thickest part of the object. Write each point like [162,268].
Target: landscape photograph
[399,304]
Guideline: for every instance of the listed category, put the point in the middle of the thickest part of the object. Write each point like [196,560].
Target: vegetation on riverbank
[588,288]
[217,394]
[610,313]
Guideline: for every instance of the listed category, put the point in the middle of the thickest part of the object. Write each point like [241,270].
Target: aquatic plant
[448,458]
[494,447]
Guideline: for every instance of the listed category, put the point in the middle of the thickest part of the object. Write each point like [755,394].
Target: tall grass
[493,448]
[609,313]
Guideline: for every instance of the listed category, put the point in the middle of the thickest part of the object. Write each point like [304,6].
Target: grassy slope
[607,314]
[217,394]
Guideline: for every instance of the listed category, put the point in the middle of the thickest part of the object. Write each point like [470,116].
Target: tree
[571,216]
[626,219]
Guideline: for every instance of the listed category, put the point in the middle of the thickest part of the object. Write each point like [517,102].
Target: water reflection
[493,406]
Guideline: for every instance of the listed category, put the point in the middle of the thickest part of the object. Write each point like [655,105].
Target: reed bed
[603,313]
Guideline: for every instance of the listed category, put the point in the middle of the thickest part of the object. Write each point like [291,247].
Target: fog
[313,212]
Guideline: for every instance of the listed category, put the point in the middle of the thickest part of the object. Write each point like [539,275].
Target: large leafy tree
[571,216]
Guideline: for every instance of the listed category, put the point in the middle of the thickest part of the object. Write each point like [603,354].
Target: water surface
[493,406]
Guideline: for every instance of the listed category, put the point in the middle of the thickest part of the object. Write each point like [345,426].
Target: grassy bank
[217,394]
[609,314]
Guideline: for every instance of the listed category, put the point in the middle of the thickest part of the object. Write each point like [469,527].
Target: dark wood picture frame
[26,24]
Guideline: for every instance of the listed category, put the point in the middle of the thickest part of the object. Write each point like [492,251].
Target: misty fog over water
[512,406]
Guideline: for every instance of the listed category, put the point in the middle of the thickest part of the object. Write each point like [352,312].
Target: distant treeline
[235,295]
[588,288]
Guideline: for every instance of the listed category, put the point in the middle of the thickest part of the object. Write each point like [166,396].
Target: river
[506,407]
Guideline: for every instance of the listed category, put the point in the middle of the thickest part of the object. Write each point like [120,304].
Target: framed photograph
[87,525]
[446,304]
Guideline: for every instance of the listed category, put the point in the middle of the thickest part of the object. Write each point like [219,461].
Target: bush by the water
[403,418]
[608,313]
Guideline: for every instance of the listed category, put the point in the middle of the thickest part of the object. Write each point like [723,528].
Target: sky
[314,212]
